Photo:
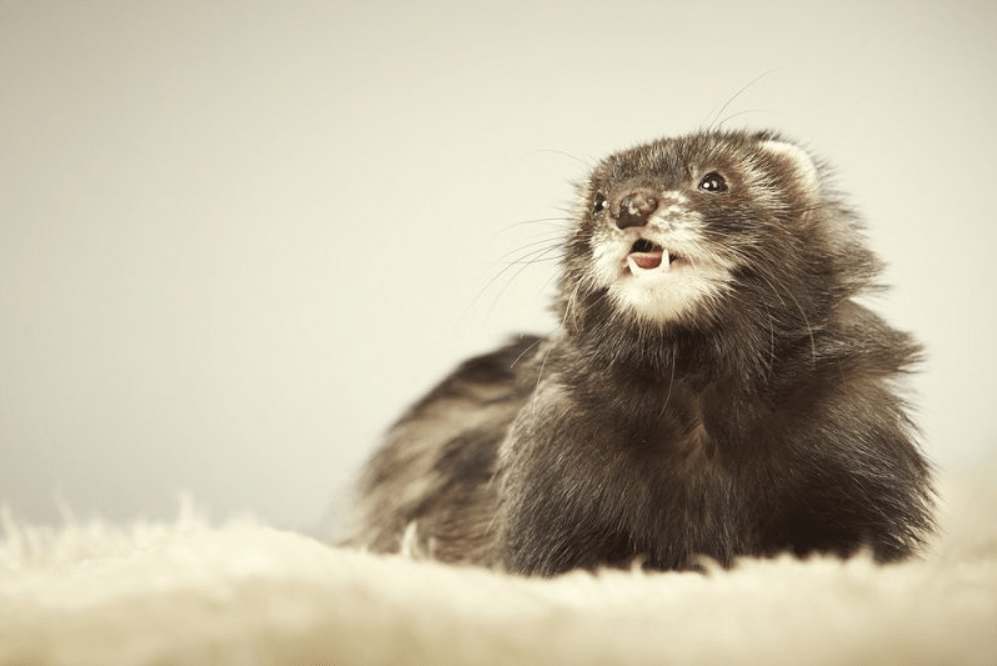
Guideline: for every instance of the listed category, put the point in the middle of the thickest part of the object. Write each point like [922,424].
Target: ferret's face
[668,227]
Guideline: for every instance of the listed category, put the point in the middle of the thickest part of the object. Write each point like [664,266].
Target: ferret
[712,389]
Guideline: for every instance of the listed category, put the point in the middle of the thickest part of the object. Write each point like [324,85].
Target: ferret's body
[712,389]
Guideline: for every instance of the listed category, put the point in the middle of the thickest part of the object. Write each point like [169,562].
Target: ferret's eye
[713,182]
[600,204]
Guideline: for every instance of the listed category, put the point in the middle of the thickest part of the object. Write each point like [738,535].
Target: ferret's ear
[800,161]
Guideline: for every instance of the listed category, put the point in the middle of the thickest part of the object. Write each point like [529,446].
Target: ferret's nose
[636,207]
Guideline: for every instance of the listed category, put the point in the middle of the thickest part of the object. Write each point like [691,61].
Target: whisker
[549,238]
[671,380]
[523,261]
[588,163]
[721,123]
[537,256]
[559,222]
[716,116]
[524,352]
[540,258]
[543,362]
[806,320]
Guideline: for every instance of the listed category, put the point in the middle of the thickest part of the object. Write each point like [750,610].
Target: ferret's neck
[643,359]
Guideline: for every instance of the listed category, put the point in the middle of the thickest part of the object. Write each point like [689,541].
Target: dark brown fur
[762,419]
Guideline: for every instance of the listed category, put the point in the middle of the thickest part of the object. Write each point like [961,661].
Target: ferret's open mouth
[646,256]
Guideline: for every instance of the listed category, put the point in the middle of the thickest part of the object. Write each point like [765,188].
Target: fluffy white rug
[244,593]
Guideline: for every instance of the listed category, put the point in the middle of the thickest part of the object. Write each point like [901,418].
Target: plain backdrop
[237,238]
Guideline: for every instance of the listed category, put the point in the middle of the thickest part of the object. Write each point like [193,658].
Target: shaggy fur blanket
[244,593]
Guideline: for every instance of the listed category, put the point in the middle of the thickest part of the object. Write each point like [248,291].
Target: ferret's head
[698,231]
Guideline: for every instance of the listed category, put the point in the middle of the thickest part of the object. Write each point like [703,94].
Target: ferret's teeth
[666,260]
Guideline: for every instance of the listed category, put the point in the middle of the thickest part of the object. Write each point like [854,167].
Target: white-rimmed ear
[801,161]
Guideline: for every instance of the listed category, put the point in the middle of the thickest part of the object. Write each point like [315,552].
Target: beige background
[237,238]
